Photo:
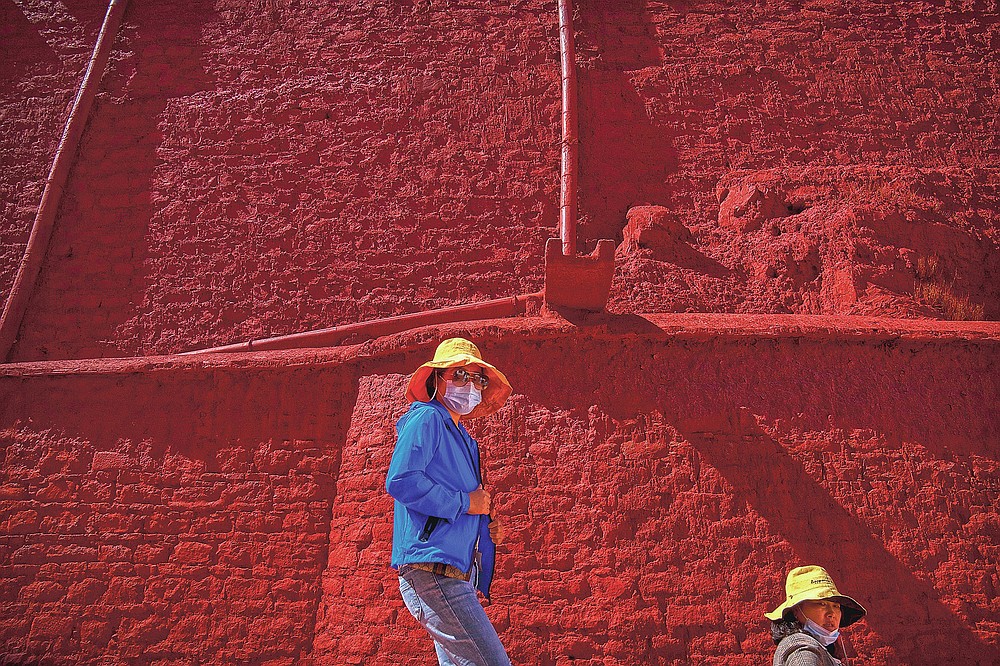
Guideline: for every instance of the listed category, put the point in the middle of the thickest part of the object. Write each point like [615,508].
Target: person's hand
[497,531]
[479,501]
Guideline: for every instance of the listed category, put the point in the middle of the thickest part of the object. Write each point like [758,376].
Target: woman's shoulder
[801,649]
[422,415]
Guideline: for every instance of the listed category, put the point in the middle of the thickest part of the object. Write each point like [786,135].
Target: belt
[442,569]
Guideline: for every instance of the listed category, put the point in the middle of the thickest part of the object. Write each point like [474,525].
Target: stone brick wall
[260,168]
[159,515]
[255,169]
[657,475]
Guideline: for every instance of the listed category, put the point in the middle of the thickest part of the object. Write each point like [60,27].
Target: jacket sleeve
[408,481]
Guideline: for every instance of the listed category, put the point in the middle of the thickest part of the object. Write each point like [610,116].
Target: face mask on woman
[461,399]
[825,637]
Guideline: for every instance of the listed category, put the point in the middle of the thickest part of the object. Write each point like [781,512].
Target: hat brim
[494,396]
[850,610]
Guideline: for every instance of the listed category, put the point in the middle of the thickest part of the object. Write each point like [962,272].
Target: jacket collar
[443,411]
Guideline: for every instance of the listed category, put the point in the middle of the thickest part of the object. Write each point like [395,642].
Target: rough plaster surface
[259,168]
[162,516]
[256,169]
[658,476]
[44,48]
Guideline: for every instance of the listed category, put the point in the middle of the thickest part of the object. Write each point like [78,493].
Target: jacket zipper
[429,526]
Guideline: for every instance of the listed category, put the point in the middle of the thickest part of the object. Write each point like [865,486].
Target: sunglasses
[461,377]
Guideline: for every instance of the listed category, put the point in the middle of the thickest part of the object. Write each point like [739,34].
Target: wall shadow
[814,383]
[194,412]
[94,275]
[38,81]
[624,156]
[821,531]
[21,46]
[617,324]
[966,261]
[683,255]
[710,390]
[240,461]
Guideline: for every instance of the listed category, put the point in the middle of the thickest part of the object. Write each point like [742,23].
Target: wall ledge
[703,327]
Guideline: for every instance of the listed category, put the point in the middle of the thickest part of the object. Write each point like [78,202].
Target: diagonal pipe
[41,229]
[326,337]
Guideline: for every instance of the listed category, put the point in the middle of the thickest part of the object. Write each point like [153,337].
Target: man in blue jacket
[443,538]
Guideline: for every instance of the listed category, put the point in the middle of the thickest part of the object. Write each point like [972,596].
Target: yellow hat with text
[813,583]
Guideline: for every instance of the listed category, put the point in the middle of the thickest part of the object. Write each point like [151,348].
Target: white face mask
[825,637]
[461,399]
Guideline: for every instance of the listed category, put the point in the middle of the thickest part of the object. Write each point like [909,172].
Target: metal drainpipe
[326,337]
[570,135]
[41,229]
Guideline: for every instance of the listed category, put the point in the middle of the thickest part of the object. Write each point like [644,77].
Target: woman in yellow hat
[806,626]
[443,538]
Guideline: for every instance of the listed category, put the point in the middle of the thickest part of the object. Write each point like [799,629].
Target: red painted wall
[44,49]
[158,515]
[658,477]
[254,169]
[259,169]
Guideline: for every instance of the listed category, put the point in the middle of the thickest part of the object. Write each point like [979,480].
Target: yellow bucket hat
[812,583]
[455,353]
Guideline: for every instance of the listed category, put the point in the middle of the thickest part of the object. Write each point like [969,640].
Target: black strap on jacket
[432,521]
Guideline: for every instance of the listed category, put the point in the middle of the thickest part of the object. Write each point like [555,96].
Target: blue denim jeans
[451,613]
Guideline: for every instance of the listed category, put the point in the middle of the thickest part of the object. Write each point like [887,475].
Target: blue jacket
[434,468]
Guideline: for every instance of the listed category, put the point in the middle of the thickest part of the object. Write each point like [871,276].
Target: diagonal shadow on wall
[705,389]
[821,531]
[31,69]
[95,271]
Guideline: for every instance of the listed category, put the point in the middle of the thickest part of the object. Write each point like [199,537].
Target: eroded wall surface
[162,516]
[255,169]
[657,476]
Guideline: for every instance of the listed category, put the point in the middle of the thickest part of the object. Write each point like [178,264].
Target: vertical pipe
[570,138]
[41,229]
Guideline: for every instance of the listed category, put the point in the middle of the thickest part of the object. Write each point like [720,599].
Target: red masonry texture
[257,169]
[657,475]
[800,361]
